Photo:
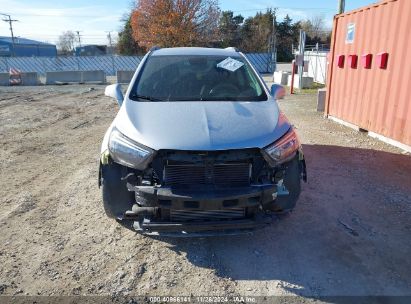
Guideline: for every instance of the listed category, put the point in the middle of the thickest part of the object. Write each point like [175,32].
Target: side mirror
[114,91]
[277,91]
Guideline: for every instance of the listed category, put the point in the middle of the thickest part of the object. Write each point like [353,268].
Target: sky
[45,20]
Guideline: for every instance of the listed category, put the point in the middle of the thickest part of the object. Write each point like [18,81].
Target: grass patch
[313,90]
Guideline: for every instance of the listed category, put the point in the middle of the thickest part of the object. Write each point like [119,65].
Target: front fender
[104,144]
[116,197]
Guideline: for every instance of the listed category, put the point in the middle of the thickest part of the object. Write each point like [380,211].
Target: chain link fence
[110,64]
[41,65]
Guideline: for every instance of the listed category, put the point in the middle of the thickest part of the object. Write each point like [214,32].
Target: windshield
[197,78]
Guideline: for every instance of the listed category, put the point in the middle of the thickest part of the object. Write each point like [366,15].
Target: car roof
[196,51]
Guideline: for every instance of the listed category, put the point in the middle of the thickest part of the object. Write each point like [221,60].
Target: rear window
[197,78]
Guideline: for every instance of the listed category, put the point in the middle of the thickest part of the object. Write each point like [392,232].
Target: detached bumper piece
[206,228]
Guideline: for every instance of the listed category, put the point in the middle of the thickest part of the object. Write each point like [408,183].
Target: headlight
[127,152]
[283,149]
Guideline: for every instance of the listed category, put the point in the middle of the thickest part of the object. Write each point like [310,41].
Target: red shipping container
[375,99]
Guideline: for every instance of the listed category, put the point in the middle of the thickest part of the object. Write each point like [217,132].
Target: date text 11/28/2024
[202,299]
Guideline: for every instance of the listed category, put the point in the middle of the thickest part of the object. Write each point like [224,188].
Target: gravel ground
[350,233]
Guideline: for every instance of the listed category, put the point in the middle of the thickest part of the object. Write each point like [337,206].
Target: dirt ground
[350,233]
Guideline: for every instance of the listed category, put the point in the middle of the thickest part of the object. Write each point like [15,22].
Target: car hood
[201,125]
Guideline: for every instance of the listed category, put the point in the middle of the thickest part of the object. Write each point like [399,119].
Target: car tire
[116,197]
[292,181]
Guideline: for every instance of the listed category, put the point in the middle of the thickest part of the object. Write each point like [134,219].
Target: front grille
[206,215]
[229,174]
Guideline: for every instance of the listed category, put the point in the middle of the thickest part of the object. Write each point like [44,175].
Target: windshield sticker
[230,64]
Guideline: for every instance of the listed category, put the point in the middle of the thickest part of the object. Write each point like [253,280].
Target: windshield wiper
[220,99]
[144,97]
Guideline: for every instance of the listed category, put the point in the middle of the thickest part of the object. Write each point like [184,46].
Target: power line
[62,15]
[84,36]
[236,11]
[285,8]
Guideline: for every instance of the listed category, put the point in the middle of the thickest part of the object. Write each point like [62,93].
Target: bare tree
[66,42]
[316,29]
[313,26]
[317,25]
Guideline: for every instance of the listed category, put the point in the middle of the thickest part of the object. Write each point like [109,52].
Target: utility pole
[341,6]
[109,38]
[111,51]
[10,22]
[79,39]
[110,43]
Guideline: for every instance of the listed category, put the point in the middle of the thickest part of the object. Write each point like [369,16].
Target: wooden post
[292,77]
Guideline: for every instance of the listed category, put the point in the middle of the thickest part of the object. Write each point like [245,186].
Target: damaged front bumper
[177,197]
[159,203]
[204,198]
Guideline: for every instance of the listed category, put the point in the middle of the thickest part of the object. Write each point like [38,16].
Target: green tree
[287,35]
[230,29]
[126,44]
[257,31]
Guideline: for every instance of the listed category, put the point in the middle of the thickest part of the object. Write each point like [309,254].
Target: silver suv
[199,146]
